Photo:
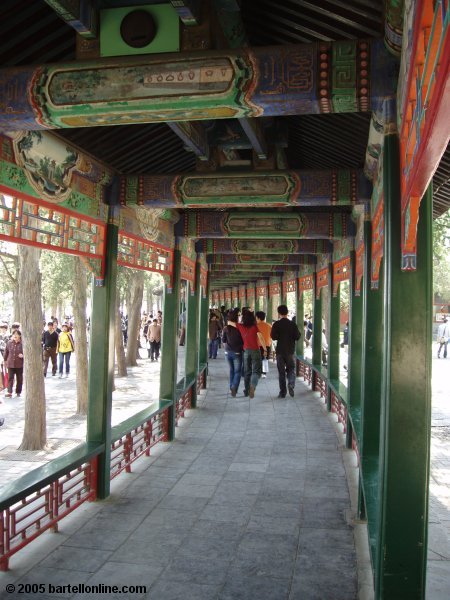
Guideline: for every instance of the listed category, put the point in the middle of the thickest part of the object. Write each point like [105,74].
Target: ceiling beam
[265,225]
[81,15]
[248,261]
[194,136]
[188,11]
[259,247]
[344,187]
[344,76]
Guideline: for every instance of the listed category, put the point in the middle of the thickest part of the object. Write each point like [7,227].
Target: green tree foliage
[441,256]
[57,277]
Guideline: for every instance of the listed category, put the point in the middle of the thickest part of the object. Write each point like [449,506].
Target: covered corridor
[250,163]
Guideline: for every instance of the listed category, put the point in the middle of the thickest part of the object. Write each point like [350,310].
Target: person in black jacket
[233,346]
[285,333]
[49,343]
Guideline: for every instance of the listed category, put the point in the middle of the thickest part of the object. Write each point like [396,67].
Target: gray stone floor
[255,499]
[250,501]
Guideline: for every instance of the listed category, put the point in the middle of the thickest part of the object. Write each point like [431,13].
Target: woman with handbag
[253,341]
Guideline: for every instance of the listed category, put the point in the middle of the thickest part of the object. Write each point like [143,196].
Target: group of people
[56,343]
[247,340]
[57,346]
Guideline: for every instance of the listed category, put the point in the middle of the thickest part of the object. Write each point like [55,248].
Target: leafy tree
[9,264]
[441,256]
[56,268]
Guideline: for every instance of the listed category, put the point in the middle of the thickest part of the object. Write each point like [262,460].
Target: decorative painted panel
[275,188]
[361,216]
[321,280]
[359,267]
[255,259]
[258,247]
[289,285]
[27,221]
[147,224]
[341,272]
[423,110]
[235,295]
[228,295]
[261,290]
[251,268]
[138,253]
[203,280]
[41,166]
[274,289]
[377,244]
[242,293]
[342,249]
[187,271]
[306,282]
[260,225]
[201,85]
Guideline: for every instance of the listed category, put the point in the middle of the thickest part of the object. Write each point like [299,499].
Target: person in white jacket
[443,335]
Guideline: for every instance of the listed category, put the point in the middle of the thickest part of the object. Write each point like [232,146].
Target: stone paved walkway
[250,501]
[254,499]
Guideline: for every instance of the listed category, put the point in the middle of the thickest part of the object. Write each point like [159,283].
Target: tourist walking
[443,336]
[49,345]
[66,346]
[253,341]
[154,338]
[234,348]
[4,339]
[213,335]
[13,357]
[285,333]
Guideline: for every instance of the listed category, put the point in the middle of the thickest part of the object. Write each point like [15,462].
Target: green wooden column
[283,297]
[269,311]
[406,410]
[203,329]
[355,355]
[371,377]
[317,327]
[334,314]
[169,346]
[299,311]
[192,332]
[101,350]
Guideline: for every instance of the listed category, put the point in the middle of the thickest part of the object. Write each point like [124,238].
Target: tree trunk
[16,301]
[118,342]
[79,313]
[134,316]
[149,298]
[29,276]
